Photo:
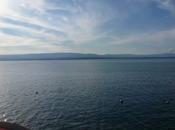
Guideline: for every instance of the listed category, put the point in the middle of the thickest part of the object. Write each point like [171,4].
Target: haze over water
[85,94]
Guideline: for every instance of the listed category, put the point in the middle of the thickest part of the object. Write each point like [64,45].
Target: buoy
[36,92]
[121,101]
[3,115]
[167,102]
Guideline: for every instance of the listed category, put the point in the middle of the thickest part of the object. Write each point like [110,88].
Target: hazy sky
[88,26]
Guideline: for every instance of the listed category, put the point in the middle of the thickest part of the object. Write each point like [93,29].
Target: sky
[87,26]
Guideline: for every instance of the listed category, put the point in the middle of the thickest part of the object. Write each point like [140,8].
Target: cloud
[83,19]
[16,44]
[153,37]
[167,5]
[30,26]
[71,25]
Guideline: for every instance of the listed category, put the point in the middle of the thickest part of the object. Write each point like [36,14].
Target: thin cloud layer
[91,26]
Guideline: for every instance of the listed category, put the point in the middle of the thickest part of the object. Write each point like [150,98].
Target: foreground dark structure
[11,126]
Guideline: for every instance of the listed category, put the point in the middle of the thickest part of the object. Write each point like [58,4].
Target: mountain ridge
[69,56]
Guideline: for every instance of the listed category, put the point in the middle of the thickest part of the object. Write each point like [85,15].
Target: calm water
[85,94]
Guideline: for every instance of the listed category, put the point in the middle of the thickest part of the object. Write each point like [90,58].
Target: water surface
[85,94]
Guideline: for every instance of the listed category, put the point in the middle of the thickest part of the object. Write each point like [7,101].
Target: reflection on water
[89,94]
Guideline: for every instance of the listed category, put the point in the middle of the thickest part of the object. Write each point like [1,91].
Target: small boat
[11,126]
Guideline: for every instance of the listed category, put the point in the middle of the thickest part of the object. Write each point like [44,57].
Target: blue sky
[87,26]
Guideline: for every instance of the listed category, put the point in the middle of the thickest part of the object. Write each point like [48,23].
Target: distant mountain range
[69,56]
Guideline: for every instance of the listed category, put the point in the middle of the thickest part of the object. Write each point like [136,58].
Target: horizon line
[100,54]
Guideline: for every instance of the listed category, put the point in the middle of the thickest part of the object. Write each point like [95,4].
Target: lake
[87,94]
